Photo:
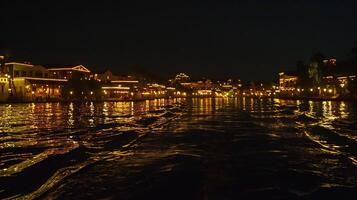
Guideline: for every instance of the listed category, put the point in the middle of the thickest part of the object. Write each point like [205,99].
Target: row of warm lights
[153,92]
[91,92]
[259,94]
[180,93]
[222,94]
[34,85]
[40,91]
[311,90]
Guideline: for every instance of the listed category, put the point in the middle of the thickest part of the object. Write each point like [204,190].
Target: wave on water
[78,148]
[224,149]
[305,118]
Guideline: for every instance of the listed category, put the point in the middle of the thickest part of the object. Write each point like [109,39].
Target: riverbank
[144,99]
[319,98]
[84,100]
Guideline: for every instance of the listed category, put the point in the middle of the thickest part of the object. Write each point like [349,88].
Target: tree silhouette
[316,69]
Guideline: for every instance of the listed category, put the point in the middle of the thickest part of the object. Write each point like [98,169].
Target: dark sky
[251,39]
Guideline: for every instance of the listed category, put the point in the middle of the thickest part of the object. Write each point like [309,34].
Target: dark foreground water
[179,149]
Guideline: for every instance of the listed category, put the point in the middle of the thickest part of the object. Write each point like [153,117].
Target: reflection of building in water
[327,110]
[202,105]
[343,110]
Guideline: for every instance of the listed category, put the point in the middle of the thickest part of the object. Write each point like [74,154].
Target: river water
[179,149]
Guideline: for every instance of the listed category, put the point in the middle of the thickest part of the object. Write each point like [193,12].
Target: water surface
[179,149]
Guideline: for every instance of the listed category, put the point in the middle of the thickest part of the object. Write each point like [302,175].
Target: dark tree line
[77,88]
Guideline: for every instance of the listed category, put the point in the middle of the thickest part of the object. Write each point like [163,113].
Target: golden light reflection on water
[25,117]
[204,106]
[343,110]
[70,120]
[25,122]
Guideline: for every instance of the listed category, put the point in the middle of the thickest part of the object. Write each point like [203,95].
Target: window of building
[24,73]
[2,89]
[16,73]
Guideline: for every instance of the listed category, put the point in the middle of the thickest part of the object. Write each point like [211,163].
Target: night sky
[214,39]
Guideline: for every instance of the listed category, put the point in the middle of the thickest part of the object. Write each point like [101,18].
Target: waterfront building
[156,90]
[4,88]
[127,82]
[260,89]
[203,93]
[69,72]
[27,82]
[199,88]
[117,93]
[4,82]
[343,81]
[119,87]
[287,82]
[330,61]
[182,78]
[108,76]
[16,69]
[337,84]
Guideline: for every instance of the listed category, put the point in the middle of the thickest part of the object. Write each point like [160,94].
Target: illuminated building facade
[70,72]
[28,82]
[117,93]
[117,87]
[330,61]
[108,76]
[4,82]
[182,78]
[287,82]
[4,88]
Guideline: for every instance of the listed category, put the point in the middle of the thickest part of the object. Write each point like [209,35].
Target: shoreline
[351,99]
[85,101]
[319,98]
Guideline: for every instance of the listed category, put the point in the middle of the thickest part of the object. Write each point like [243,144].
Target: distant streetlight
[71,92]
